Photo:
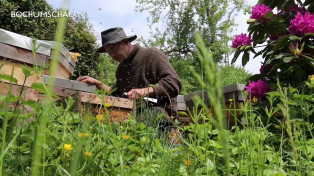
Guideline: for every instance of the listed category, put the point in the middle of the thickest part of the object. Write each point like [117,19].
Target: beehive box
[118,109]
[16,50]
[232,94]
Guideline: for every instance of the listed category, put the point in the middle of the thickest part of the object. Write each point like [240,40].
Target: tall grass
[38,157]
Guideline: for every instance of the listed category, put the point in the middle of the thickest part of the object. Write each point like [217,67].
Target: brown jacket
[145,67]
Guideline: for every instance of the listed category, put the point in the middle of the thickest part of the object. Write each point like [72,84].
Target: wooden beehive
[17,50]
[118,109]
[232,94]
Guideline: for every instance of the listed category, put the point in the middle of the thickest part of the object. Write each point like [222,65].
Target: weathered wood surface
[18,74]
[85,97]
[118,109]
[70,84]
[22,55]
[12,48]
[233,100]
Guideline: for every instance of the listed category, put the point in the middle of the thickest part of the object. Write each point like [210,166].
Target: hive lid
[70,84]
[22,41]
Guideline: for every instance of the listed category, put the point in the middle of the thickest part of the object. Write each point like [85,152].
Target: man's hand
[137,93]
[89,80]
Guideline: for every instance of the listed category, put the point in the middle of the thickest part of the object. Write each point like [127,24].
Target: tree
[213,19]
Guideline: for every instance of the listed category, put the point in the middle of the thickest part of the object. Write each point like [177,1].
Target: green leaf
[8,78]
[245,58]
[251,20]
[268,15]
[310,46]
[281,42]
[287,59]
[294,38]
[30,103]
[26,70]
[39,86]
[307,2]
[13,98]
[235,57]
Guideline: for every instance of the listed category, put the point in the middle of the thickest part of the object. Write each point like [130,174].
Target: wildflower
[230,100]
[277,126]
[257,89]
[311,78]
[241,40]
[67,147]
[107,105]
[89,154]
[83,135]
[259,11]
[126,137]
[99,117]
[187,162]
[254,100]
[302,25]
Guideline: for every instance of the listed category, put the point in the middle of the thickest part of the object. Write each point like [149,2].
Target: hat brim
[102,48]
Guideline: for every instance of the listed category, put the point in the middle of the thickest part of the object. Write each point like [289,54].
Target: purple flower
[241,40]
[257,89]
[259,11]
[296,8]
[276,37]
[265,68]
[302,25]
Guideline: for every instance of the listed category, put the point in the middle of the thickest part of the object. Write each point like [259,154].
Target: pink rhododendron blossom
[302,25]
[241,40]
[257,89]
[259,11]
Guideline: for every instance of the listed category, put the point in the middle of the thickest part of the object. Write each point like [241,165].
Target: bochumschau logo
[42,14]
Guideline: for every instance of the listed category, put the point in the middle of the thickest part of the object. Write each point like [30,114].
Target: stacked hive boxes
[17,50]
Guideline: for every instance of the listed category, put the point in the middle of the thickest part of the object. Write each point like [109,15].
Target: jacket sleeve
[167,80]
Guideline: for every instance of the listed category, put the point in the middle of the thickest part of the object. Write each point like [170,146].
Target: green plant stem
[48,102]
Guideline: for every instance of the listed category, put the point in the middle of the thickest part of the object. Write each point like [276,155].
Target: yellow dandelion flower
[108,105]
[89,154]
[83,135]
[126,137]
[99,117]
[230,99]
[277,126]
[187,162]
[254,100]
[67,147]
[311,77]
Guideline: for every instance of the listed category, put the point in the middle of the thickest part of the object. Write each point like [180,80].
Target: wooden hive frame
[185,104]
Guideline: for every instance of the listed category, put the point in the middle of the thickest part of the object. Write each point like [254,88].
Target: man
[142,72]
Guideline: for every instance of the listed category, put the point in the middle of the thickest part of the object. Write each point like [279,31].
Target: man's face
[116,51]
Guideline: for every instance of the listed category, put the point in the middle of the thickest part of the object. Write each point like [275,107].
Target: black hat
[113,35]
